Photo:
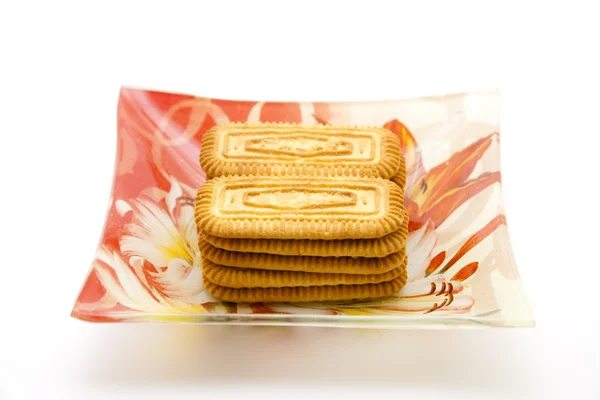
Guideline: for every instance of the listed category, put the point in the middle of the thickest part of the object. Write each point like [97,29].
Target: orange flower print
[435,194]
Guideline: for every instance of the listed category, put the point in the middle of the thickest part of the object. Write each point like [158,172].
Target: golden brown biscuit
[400,178]
[306,293]
[277,149]
[251,207]
[382,247]
[250,278]
[275,262]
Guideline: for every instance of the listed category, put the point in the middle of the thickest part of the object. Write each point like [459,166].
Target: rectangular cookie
[381,247]
[305,293]
[399,178]
[331,265]
[250,278]
[251,207]
[278,149]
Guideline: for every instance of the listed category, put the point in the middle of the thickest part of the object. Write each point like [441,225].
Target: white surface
[61,68]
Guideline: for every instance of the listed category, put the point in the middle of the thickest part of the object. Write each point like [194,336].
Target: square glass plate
[461,269]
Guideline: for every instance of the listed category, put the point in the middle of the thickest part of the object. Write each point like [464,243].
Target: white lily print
[158,269]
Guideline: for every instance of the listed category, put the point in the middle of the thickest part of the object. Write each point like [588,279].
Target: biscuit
[251,207]
[278,149]
[330,265]
[305,293]
[382,247]
[250,278]
[400,178]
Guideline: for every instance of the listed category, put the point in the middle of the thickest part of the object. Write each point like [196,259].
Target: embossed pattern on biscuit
[247,277]
[278,149]
[306,293]
[382,247]
[332,265]
[299,207]
[294,145]
[296,199]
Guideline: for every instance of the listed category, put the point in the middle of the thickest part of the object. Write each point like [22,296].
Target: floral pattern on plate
[461,269]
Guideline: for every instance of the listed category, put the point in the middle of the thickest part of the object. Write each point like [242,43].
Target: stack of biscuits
[294,213]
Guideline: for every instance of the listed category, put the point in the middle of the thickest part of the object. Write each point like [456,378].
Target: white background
[61,66]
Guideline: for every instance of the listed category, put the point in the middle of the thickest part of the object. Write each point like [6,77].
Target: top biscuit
[299,207]
[290,149]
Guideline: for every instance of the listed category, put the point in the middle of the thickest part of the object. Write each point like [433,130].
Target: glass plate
[461,268]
